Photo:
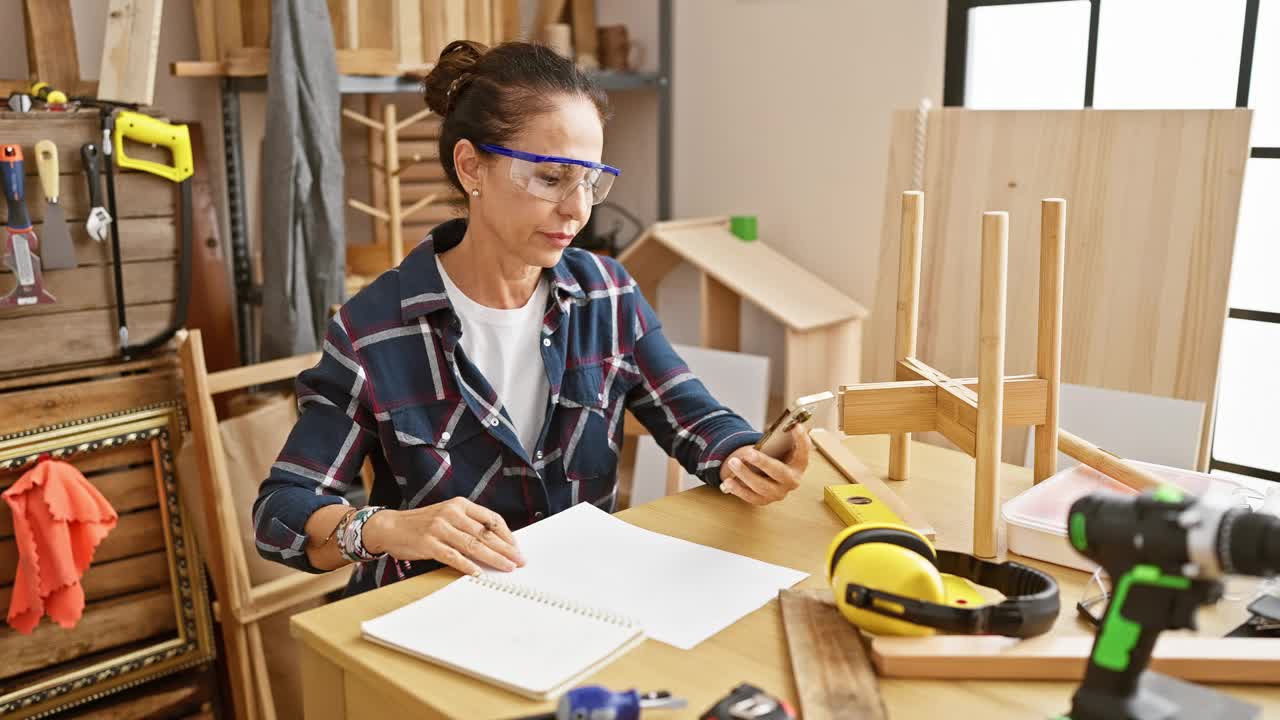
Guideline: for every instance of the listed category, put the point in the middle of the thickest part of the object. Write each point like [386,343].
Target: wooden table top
[794,533]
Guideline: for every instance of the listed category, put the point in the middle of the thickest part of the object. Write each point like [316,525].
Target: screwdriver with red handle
[21,245]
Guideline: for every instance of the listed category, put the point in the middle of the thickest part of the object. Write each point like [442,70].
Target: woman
[487,376]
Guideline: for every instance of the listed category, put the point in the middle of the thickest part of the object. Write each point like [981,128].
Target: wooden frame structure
[823,326]
[147,612]
[241,605]
[390,167]
[970,412]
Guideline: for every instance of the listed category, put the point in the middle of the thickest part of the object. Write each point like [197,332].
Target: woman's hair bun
[452,73]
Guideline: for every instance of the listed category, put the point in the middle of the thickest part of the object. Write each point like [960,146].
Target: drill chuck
[1250,544]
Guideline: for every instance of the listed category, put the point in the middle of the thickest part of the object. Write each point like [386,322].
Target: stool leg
[995,251]
[1053,242]
[911,239]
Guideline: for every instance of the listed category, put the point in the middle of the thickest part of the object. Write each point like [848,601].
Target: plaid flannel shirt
[394,385]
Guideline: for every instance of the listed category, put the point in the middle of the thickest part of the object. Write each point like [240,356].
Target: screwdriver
[599,703]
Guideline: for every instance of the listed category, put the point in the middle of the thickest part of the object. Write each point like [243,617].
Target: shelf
[609,80]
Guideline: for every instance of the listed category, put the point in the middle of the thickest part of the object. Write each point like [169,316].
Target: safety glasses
[554,178]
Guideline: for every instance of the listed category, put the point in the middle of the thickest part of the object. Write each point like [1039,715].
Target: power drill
[1166,554]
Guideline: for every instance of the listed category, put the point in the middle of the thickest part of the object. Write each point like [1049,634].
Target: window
[1159,54]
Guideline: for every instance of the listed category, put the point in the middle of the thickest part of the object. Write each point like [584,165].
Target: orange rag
[59,518]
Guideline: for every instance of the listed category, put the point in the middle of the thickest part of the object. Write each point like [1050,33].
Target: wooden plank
[506,20]
[433,30]
[261,373]
[149,239]
[583,19]
[230,28]
[455,21]
[206,17]
[82,336]
[120,577]
[88,288]
[137,195]
[181,696]
[59,403]
[134,534]
[51,44]
[377,27]
[368,61]
[82,373]
[648,268]
[130,50]
[127,490]
[989,657]
[721,315]
[548,12]
[1152,194]
[408,33]
[338,19]
[791,294]
[832,669]
[256,16]
[112,623]
[876,408]
[952,413]
[479,21]
[833,449]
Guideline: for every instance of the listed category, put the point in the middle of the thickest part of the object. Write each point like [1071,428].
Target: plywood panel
[1152,199]
[137,195]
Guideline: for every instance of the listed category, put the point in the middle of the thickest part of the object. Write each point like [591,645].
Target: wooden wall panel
[1152,200]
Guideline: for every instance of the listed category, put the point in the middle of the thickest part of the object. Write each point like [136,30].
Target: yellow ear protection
[889,580]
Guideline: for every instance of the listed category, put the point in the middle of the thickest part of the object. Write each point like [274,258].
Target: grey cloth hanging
[303,238]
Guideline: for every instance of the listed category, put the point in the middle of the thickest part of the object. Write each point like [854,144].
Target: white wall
[781,109]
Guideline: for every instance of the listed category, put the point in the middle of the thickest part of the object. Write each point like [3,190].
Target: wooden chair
[241,605]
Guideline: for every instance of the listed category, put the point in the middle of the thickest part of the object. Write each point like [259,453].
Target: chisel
[56,250]
[21,245]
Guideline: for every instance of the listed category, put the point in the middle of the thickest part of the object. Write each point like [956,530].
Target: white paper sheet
[680,592]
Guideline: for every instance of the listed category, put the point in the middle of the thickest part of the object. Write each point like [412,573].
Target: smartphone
[777,442]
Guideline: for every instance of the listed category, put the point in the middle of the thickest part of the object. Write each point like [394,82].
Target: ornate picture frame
[191,643]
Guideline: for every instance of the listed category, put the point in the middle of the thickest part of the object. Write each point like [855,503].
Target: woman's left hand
[760,479]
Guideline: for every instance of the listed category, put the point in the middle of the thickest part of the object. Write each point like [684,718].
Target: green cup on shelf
[744,227]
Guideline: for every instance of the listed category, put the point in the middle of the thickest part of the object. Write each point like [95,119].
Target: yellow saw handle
[146,129]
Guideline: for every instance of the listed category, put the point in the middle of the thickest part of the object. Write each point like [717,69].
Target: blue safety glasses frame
[549,185]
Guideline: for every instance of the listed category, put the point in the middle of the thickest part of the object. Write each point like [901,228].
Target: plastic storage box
[1037,518]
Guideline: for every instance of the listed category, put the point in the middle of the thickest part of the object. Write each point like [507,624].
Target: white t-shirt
[506,346]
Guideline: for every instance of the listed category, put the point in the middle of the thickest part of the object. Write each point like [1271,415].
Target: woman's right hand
[456,532]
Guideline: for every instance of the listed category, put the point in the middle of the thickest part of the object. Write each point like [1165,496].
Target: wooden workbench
[345,676]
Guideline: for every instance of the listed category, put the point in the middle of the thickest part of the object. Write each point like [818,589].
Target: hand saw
[177,139]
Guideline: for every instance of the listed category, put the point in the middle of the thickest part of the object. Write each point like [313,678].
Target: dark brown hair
[488,95]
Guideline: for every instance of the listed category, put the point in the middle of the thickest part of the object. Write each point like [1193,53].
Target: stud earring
[475,192]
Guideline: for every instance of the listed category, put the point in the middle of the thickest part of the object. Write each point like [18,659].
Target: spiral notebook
[593,587]
[523,640]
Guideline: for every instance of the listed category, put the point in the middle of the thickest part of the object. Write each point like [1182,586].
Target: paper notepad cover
[593,586]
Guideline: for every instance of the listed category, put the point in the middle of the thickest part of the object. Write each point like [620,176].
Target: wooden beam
[911,232]
[130,50]
[206,17]
[1053,242]
[900,407]
[829,660]
[990,657]
[990,431]
[260,374]
[721,315]
[51,44]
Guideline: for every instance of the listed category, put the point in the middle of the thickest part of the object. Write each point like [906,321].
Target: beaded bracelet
[351,535]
